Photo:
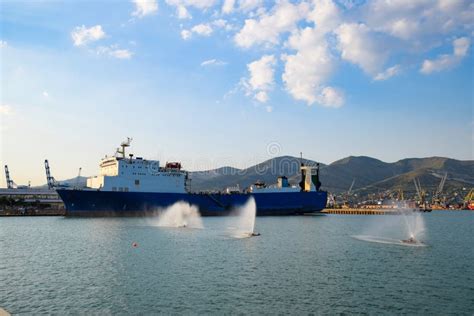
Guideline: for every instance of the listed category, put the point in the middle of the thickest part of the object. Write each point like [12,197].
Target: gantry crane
[49,179]
[439,190]
[469,200]
[421,195]
[10,183]
[419,191]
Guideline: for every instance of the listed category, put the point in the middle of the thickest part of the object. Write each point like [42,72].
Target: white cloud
[45,94]
[3,44]
[228,6]
[318,34]
[404,28]
[186,34]
[261,72]
[325,15]
[202,29]
[5,109]
[261,77]
[261,96]
[200,4]
[121,53]
[461,46]
[419,20]
[249,5]
[144,7]
[213,62]
[223,24]
[267,29]
[219,23]
[182,12]
[331,97]
[395,17]
[388,73]
[307,71]
[82,35]
[446,61]
[269,108]
[115,52]
[359,46]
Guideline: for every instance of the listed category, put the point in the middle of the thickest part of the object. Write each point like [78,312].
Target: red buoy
[134,245]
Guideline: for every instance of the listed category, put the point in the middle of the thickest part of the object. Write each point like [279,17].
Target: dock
[363,211]
[30,202]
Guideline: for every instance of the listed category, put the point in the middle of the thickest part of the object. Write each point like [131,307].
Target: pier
[32,202]
[363,211]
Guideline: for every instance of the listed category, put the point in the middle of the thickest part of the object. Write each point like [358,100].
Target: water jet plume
[180,214]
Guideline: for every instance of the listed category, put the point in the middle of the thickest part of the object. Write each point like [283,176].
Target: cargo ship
[133,186]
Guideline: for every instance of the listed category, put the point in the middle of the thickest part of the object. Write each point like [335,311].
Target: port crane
[352,185]
[52,183]
[347,195]
[439,190]
[420,192]
[49,178]
[331,202]
[401,197]
[10,183]
[469,200]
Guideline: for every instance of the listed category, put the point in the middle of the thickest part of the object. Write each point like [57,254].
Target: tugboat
[133,186]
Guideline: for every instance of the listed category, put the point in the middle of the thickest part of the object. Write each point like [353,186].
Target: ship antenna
[124,144]
[301,158]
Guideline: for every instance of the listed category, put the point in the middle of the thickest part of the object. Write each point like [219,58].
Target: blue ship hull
[107,203]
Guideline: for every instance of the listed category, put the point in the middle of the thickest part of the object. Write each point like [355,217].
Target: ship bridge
[137,175]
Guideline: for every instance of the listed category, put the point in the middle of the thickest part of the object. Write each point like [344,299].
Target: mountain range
[369,175]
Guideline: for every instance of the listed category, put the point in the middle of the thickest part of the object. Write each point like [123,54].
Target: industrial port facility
[18,199]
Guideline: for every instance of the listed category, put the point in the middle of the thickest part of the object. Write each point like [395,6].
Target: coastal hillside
[369,175]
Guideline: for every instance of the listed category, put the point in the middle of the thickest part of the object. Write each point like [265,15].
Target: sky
[234,82]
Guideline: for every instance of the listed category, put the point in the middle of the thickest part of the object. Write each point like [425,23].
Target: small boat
[410,240]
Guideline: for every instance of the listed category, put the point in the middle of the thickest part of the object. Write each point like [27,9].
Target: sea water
[299,265]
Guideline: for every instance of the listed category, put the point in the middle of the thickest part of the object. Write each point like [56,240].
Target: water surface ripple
[300,265]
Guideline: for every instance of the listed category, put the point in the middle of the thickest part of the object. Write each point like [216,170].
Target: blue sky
[214,83]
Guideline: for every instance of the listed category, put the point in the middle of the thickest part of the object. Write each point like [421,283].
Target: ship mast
[302,172]
[124,144]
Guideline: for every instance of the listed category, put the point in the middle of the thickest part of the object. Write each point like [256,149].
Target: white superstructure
[138,175]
